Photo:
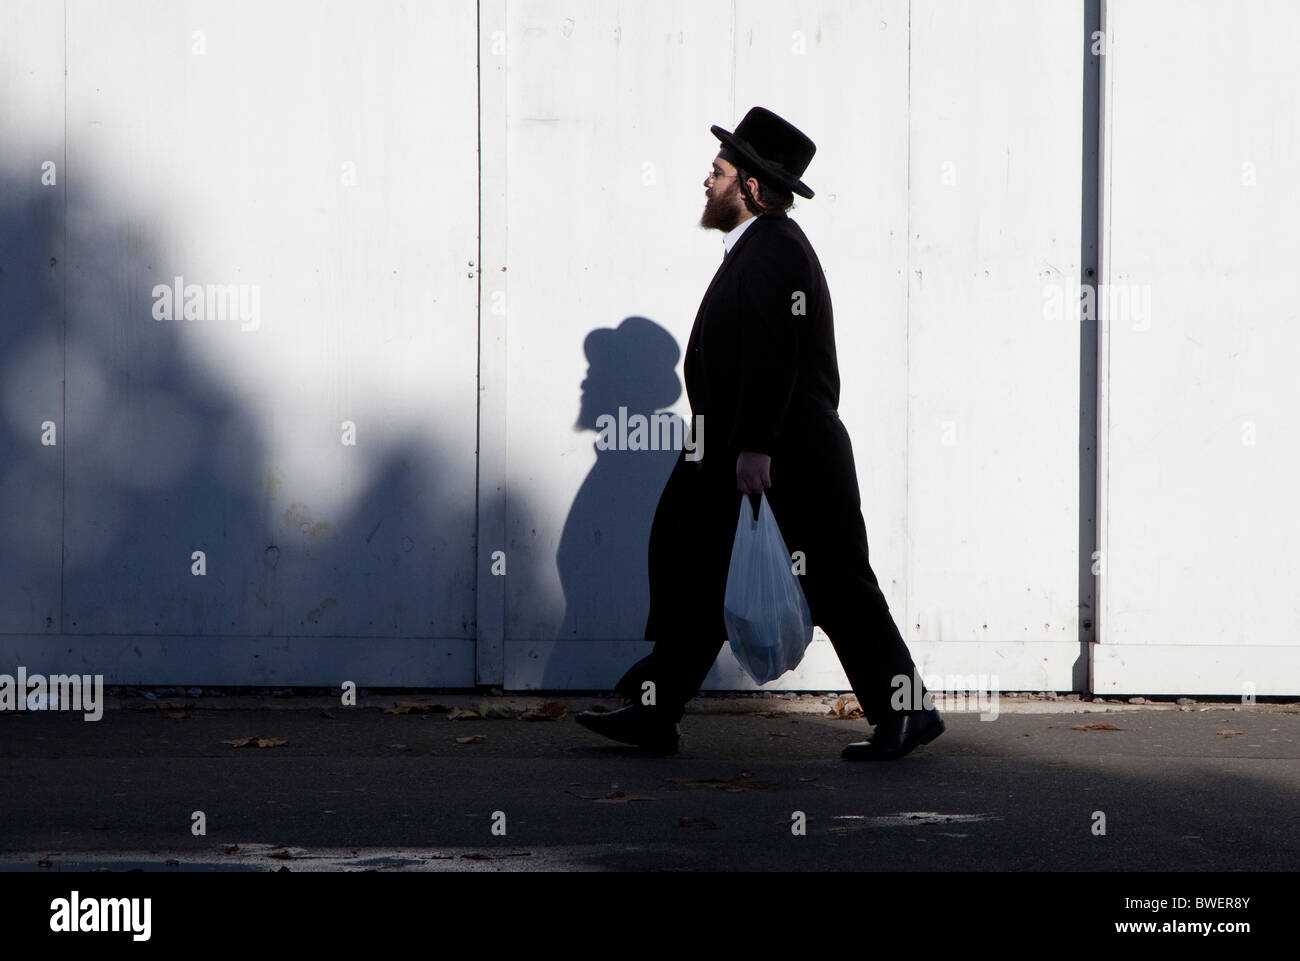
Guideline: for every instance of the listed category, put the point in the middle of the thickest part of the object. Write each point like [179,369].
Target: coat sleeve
[775,286]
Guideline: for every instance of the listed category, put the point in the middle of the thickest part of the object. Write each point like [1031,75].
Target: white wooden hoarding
[338,159]
[992,396]
[961,397]
[32,264]
[1199,219]
[306,177]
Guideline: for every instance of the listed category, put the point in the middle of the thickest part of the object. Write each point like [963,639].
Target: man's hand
[753,472]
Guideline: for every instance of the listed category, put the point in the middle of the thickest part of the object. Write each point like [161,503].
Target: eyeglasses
[716,174]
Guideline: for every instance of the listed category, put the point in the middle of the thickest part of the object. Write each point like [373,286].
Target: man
[761,369]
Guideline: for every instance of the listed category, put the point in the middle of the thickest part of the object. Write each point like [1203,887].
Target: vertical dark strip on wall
[1089,229]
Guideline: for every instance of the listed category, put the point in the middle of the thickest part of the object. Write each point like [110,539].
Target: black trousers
[815,499]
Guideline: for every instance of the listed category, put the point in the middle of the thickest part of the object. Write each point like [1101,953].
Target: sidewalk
[1181,787]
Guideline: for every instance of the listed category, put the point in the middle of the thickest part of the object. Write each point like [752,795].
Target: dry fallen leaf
[460,713]
[614,797]
[470,739]
[497,711]
[845,707]
[415,707]
[1229,733]
[548,711]
[744,781]
[697,823]
[166,706]
[256,742]
[621,797]
[1099,726]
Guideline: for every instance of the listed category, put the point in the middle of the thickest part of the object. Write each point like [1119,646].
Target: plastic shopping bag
[766,614]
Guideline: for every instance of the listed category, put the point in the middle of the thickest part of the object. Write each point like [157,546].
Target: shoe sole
[931,733]
[652,747]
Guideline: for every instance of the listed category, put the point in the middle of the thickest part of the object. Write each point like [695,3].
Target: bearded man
[761,370]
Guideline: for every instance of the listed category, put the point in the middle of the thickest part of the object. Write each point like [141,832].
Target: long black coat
[762,371]
[760,363]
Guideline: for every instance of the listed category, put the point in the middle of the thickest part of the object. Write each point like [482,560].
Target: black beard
[720,214]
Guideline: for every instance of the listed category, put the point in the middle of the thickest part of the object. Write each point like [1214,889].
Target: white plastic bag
[766,614]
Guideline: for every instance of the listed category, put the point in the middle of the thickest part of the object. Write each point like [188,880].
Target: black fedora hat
[772,149]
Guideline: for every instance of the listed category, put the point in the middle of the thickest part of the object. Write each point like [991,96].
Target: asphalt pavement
[427,782]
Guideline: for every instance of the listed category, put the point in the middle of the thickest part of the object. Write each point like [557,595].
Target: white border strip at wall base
[597,665]
[1267,670]
[245,661]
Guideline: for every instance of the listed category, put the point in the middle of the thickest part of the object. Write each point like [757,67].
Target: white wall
[961,399]
[439,202]
[323,156]
[1199,427]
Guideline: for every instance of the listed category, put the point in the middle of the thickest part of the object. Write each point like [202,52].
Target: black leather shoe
[634,725]
[894,738]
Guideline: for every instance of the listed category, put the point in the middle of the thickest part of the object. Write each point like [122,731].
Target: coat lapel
[730,258]
[727,262]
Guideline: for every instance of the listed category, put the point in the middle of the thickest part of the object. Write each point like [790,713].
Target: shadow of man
[631,378]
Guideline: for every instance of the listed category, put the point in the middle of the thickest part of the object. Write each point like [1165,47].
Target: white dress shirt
[733,235]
